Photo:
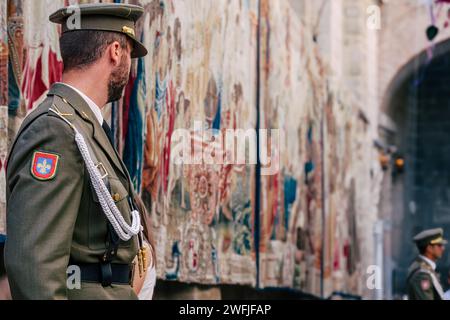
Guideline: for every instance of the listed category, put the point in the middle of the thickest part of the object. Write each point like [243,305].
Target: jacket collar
[431,263]
[71,97]
[92,105]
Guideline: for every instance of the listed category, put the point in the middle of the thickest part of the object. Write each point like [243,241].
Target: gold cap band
[437,241]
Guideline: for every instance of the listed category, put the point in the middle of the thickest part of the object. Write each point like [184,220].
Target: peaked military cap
[119,18]
[430,236]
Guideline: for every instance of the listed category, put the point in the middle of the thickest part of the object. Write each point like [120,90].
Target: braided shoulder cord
[112,213]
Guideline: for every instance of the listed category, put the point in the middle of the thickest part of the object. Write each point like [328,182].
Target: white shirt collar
[94,107]
[430,262]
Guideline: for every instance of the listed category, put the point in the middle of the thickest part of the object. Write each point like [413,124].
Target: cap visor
[139,50]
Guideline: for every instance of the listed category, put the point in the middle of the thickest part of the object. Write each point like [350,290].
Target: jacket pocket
[120,195]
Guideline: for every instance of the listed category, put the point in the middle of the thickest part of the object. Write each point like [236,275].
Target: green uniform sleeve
[422,286]
[41,215]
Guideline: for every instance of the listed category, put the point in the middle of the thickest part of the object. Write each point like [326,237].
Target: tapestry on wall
[197,88]
[199,77]
[291,199]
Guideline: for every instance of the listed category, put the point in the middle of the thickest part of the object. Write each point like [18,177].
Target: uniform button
[116,197]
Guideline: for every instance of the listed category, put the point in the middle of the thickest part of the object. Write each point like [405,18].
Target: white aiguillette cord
[112,213]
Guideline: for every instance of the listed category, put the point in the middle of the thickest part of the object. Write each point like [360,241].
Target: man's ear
[115,51]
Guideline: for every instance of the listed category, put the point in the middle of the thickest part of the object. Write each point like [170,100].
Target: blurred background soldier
[423,281]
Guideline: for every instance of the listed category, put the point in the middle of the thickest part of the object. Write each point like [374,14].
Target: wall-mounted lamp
[399,164]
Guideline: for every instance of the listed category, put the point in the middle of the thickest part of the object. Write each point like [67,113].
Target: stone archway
[416,109]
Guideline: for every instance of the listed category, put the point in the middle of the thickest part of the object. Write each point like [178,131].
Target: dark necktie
[108,132]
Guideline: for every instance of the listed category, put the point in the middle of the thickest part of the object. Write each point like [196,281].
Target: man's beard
[117,82]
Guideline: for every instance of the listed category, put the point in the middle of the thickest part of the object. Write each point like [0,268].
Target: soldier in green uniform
[70,201]
[423,281]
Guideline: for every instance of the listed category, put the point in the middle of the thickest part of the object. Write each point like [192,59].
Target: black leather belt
[106,273]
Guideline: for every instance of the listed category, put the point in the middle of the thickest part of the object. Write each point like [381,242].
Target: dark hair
[81,48]
[422,248]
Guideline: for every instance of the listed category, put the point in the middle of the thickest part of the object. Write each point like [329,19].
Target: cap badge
[128,30]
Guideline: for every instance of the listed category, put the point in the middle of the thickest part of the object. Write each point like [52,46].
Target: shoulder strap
[27,122]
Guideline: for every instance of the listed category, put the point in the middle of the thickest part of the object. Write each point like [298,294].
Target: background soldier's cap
[431,236]
[119,18]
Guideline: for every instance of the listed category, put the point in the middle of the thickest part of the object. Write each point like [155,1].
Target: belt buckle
[101,166]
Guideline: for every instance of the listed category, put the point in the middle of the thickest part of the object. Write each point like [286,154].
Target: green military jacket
[56,218]
[423,282]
